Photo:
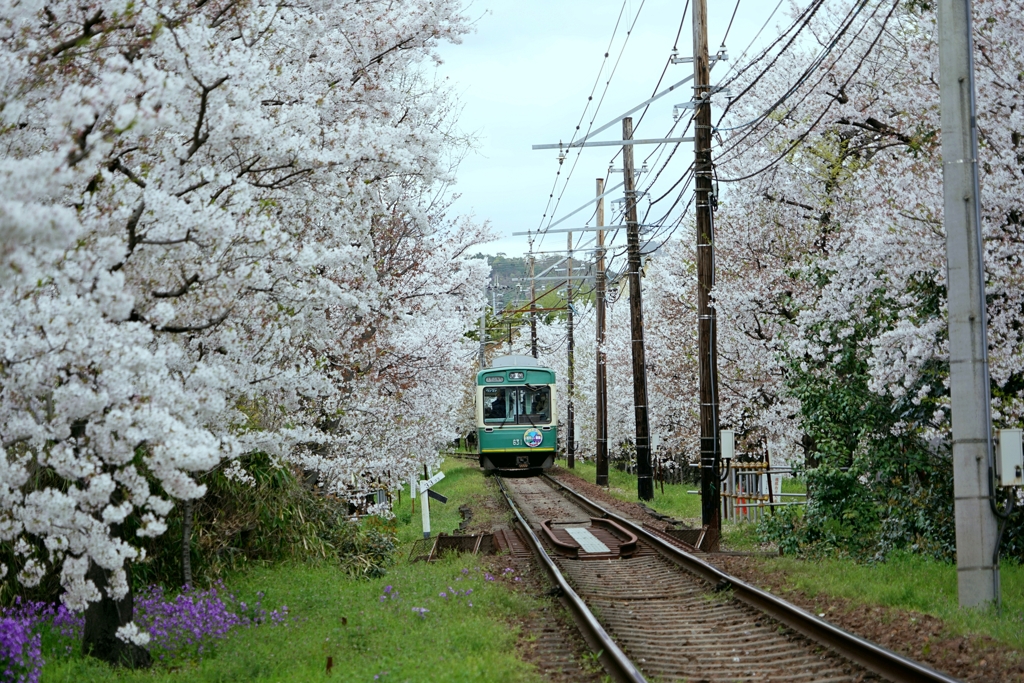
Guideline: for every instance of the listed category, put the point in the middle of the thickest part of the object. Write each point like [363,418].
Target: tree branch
[376,60]
[116,165]
[192,188]
[180,291]
[133,238]
[84,36]
[198,138]
[177,329]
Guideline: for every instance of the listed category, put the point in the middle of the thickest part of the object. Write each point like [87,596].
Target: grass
[675,501]
[463,484]
[335,615]
[911,582]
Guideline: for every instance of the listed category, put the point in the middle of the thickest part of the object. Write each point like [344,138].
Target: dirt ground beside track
[922,637]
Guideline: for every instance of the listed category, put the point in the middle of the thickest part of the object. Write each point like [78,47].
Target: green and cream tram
[515,415]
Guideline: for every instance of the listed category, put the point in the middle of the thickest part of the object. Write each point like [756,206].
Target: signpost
[426,494]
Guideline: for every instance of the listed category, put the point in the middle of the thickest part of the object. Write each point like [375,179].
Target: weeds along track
[655,611]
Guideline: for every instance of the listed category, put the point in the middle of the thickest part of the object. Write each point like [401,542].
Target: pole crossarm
[563,278]
[613,143]
[601,129]
[583,229]
[579,208]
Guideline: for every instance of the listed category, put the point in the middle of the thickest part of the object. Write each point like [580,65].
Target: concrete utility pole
[533,307]
[602,377]
[481,359]
[707,335]
[645,480]
[570,421]
[976,524]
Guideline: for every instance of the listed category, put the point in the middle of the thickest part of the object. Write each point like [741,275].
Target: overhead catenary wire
[731,19]
[828,106]
[845,25]
[667,222]
[615,66]
[590,99]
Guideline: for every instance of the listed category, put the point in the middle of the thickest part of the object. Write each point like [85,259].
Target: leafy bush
[876,485]
[840,517]
[279,517]
[785,529]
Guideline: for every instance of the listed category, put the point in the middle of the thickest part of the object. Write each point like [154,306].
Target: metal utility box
[728,443]
[1011,458]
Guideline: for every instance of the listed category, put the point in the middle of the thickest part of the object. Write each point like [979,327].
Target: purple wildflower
[20,658]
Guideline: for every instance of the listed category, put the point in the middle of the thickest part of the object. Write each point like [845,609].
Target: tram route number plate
[588,541]
[427,483]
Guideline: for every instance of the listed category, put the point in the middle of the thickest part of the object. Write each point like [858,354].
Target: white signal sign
[427,483]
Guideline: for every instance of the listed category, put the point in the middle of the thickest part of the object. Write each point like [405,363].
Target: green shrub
[841,517]
[280,517]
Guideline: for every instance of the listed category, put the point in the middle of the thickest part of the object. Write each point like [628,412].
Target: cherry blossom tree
[831,288]
[196,205]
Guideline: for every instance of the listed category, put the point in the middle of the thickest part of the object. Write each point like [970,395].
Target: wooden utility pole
[707,335]
[645,481]
[570,421]
[602,378]
[533,308]
[977,538]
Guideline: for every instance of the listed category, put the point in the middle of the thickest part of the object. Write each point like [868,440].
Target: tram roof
[516,361]
[533,371]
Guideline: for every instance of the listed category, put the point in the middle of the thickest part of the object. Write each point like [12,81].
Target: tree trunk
[103,618]
[186,543]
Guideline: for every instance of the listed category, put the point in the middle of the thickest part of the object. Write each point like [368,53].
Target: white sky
[524,77]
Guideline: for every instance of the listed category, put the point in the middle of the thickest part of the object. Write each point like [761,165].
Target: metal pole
[710,455]
[570,422]
[976,525]
[481,360]
[645,482]
[425,513]
[601,446]
[533,310]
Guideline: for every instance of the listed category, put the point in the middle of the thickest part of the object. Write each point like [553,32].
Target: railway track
[651,610]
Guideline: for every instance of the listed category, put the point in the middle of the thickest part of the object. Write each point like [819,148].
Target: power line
[828,106]
[845,25]
[597,108]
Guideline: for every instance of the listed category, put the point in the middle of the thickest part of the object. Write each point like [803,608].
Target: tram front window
[517,405]
[536,406]
[497,407]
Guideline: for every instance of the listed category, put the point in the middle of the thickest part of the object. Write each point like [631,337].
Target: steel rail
[614,660]
[871,656]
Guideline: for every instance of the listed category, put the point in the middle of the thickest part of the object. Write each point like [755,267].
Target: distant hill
[509,276]
[510,280]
